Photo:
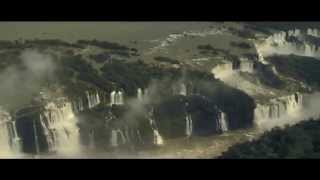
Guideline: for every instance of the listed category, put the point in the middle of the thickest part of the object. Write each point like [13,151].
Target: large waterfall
[9,140]
[60,127]
[278,111]
[116,97]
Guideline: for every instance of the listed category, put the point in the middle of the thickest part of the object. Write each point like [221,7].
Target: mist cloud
[18,83]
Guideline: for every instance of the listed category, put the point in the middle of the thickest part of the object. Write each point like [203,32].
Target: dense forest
[298,141]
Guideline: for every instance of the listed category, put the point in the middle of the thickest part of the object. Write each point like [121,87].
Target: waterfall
[4,134]
[93,99]
[78,105]
[122,136]
[15,139]
[91,140]
[183,89]
[113,98]
[139,136]
[142,94]
[189,125]
[260,56]
[36,137]
[114,138]
[9,140]
[247,66]
[115,134]
[120,98]
[116,98]
[313,32]
[223,122]
[60,127]
[223,71]
[278,111]
[157,138]
[291,42]
[227,69]
[139,94]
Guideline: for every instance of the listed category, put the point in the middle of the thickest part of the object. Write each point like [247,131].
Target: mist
[19,83]
[309,110]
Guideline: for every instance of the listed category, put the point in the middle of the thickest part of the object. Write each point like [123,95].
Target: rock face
[50,127]
[297,42]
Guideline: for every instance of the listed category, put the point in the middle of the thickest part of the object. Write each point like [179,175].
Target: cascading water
[313,32]
[9,140]
[139,94]
[189,125]
[113,98]
[139,136]
[116,98]
[15,139]
[120,98]
[291,42]
[142,94]
[247,66]
[183,89]
[93,99]
[60,127]
[114,140]
[222,124]
[91,140]
[157,138]
[225,70]
[78,105]
[278,110]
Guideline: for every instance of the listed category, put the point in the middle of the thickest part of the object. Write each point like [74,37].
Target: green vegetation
[166,59]
[242,45]
[50,42]
[305,69]
[104,44]
[299,141]
[267,77]
[313,40]
[241,33]
[285,25]
[250,56]
[101,58]
[208,49]
[9,58]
